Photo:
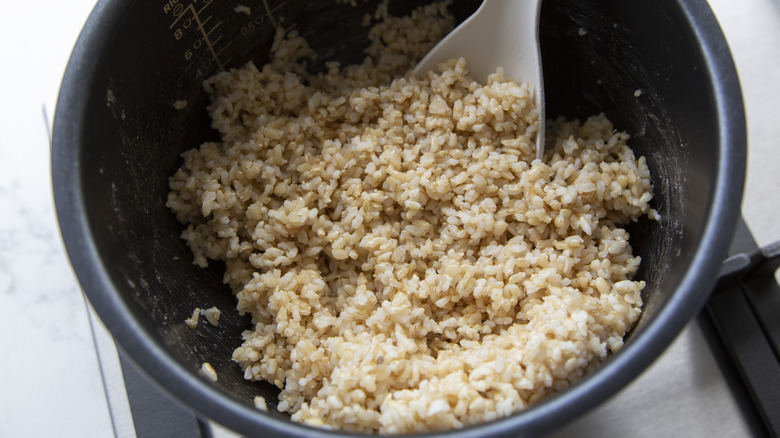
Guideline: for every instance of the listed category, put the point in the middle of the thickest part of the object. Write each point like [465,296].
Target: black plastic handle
[740,265]
[745,308]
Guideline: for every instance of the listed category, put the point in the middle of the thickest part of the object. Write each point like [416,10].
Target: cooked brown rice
[212,315]
[192,321]
[407,263]
[207,371]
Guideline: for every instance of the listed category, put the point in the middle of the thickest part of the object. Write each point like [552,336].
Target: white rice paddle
[501,33]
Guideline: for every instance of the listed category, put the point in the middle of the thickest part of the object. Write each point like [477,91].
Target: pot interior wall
[597,55]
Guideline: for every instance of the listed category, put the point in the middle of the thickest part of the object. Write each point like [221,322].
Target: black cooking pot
[659,69]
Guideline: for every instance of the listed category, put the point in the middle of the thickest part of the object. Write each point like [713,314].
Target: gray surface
[154,414]
[752,28]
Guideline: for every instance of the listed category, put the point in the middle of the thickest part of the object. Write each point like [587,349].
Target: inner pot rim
[183,383]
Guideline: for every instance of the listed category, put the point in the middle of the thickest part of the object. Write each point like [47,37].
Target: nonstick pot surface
[660,70]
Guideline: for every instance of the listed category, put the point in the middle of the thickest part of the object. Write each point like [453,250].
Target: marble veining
[50,384]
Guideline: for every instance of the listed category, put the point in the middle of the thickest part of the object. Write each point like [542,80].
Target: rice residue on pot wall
[408,265]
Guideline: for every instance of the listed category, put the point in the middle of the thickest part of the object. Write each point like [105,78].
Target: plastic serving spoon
[501,33]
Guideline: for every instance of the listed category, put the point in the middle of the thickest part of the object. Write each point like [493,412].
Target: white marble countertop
[50,383]
[49,377]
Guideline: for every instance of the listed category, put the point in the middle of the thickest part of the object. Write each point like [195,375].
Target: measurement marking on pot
[195,17]
[268,14]
[193,23]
